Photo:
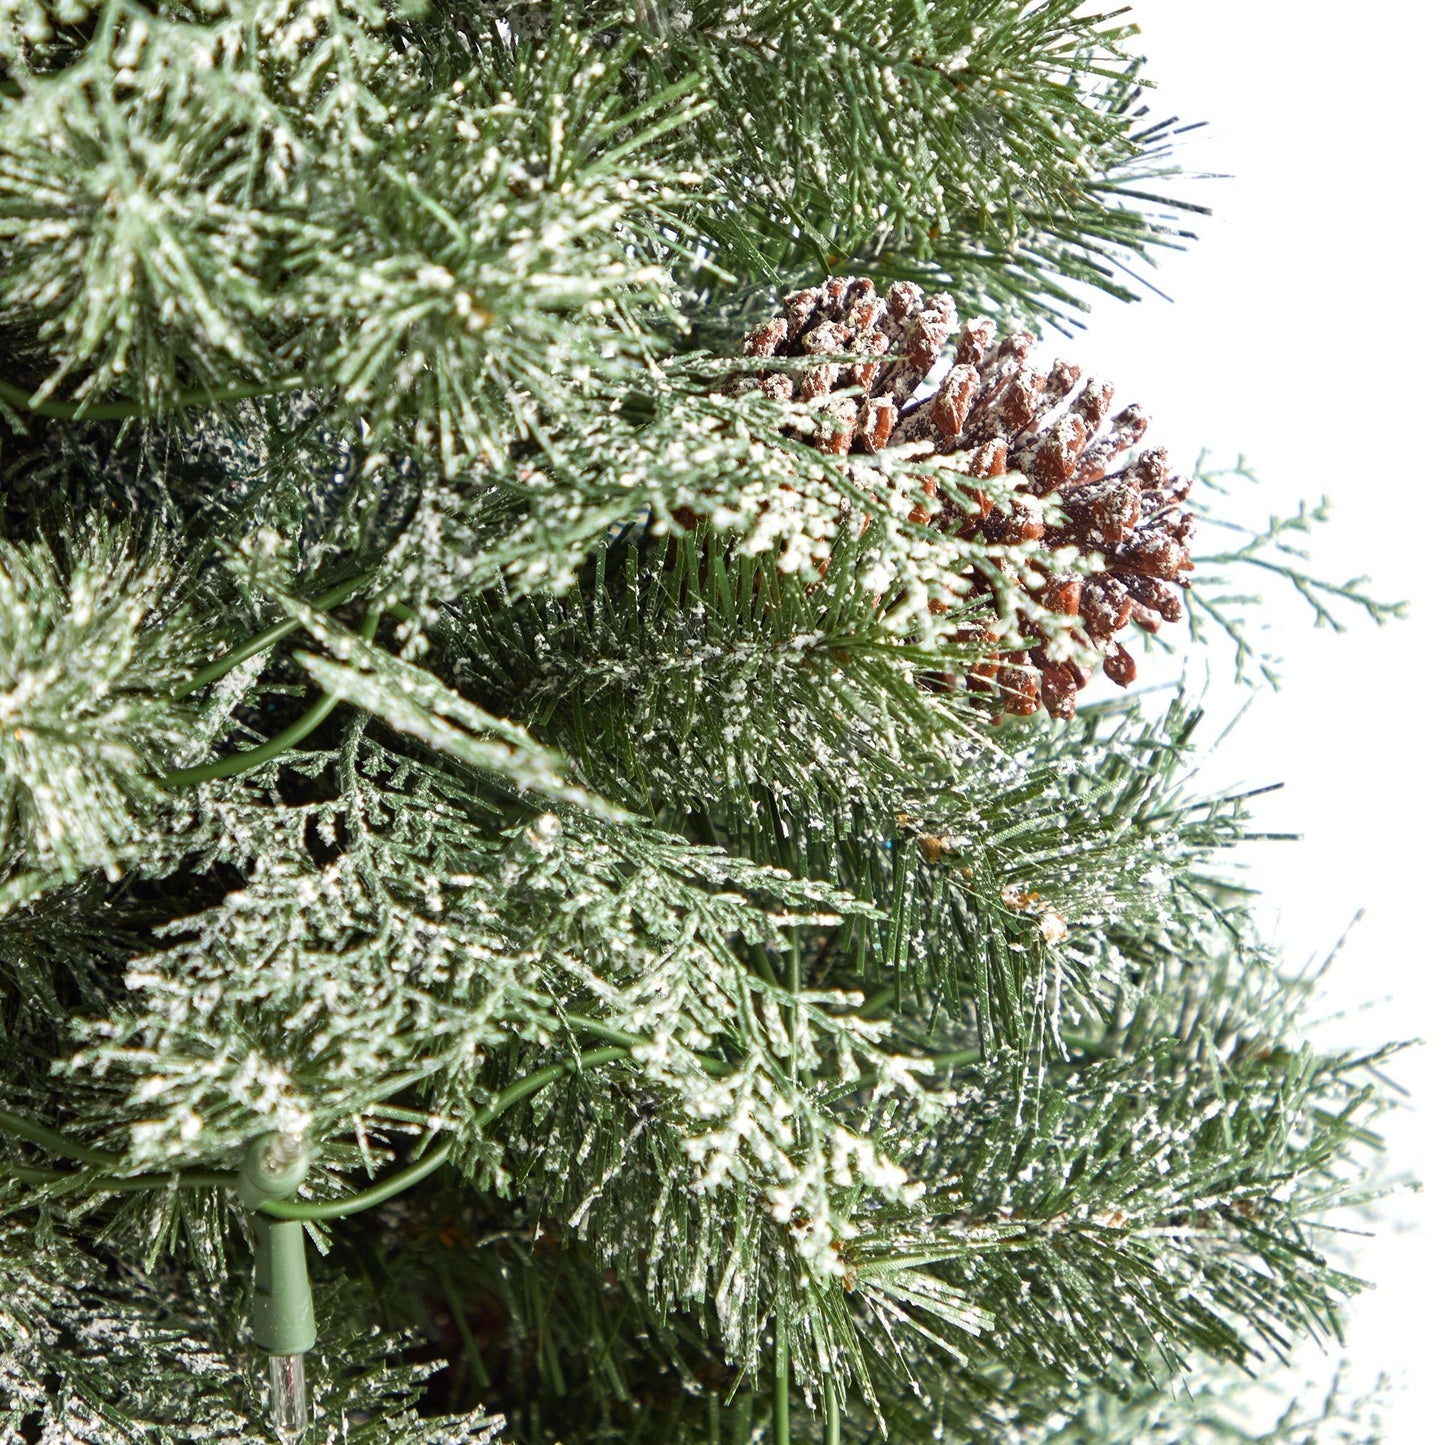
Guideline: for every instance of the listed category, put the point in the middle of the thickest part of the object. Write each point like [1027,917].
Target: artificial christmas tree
[525,914]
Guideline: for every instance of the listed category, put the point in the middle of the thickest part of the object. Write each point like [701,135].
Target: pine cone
[1004,417]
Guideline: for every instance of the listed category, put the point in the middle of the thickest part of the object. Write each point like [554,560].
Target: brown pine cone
[1004,417]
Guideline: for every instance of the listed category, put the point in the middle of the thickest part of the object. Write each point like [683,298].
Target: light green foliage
[435,268]
[268,189]
[1273,552]
[130,229]
[594,813]
[1002,145]
[489,273]
[92,642]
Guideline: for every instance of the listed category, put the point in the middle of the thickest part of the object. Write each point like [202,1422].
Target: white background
[1304,332]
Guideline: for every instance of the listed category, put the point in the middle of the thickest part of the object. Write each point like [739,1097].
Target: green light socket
[282,1317]
[274,1166]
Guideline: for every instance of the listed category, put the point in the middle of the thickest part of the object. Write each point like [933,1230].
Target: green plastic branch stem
[384,1189]
[120,1183]
[832,1414]
[251,758]
[261,1190]
[718,1068]
[22,1128]
[244,762]
[22,400]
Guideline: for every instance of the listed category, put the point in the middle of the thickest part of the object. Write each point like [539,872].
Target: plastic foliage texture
[446,719]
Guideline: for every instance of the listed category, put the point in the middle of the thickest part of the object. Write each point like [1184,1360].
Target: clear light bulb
[289,1412]
[282,1152]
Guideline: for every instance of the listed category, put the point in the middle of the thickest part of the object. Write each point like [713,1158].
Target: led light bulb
[289,1412]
